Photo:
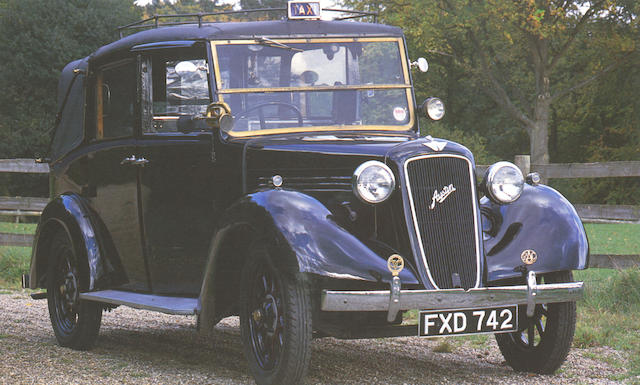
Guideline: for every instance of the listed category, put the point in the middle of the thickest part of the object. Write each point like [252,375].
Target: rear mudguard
[69,213]
[541,220]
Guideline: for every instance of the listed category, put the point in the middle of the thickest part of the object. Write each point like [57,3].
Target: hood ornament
[434,144]
[440,196]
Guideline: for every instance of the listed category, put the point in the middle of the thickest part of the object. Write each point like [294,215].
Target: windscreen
[314,84]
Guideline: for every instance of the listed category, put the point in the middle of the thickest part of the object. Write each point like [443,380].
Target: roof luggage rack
[199,18]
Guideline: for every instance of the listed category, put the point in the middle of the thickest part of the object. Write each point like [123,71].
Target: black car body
[160,201]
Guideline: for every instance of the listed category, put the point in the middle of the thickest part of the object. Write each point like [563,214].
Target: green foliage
[164,7]
[259,4]
[597,121]
[37,40]
[489,61]
[475,143]
[255,4]
[611,191]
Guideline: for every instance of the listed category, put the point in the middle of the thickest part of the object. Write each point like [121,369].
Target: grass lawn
[613,238]
[18,228]
[609,314]
[14,261]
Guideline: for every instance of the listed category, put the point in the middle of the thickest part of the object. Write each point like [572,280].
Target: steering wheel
[259,107]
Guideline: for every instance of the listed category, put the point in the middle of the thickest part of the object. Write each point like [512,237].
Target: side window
[180,92]
[115,101]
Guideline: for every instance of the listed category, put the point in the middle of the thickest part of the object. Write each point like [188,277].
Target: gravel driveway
[143,347]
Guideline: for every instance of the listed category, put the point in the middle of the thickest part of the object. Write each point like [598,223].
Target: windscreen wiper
[276,44]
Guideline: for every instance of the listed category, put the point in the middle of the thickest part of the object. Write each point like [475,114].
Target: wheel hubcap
[535,328]
[66,297]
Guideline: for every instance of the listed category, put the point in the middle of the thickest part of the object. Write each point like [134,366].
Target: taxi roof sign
[304,10]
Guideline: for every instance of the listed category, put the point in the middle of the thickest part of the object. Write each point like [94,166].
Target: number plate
[435,323]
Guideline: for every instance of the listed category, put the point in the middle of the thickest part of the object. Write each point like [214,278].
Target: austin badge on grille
[440,196]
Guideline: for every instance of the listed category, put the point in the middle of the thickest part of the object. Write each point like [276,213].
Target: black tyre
[275,320]
[543,342]
[75,323]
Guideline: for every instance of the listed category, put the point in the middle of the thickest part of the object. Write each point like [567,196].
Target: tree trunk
[539,132]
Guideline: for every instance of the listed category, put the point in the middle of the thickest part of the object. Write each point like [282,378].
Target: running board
[159,303]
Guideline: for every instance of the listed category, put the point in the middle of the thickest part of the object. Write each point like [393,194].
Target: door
[176,185]
[114,170]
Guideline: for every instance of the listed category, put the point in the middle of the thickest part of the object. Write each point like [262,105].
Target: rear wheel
[543,341]
[275,320]
[75,323]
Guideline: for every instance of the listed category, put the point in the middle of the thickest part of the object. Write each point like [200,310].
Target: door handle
[128,160]
[141,162]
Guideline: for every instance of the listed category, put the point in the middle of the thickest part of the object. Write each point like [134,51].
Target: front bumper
[396,300]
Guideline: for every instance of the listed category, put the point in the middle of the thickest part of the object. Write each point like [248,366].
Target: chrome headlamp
[503,182]
[433,108]
[373,182]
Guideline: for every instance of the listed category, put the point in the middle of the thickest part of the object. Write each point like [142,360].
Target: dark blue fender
[306,235]
[69,213]
[541,220]
[321,245]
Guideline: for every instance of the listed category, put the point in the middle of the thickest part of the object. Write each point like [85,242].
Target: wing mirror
[421,63]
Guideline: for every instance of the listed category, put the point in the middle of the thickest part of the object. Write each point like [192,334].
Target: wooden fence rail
[23,166]
[614,261]
[588,170]
[600,213]
[17,206]
[34,206]
[22,204]
[10,239]
[587,212]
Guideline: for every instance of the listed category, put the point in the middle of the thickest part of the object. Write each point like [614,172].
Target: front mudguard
[321,245]
[305,236]
[541,220]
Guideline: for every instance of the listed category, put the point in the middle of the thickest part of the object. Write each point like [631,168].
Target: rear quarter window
[69,132]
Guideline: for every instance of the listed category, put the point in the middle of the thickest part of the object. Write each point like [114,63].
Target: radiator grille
[445,223]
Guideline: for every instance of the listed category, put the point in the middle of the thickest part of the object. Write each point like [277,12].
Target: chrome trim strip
[314,88]
[476,219]
[450,298]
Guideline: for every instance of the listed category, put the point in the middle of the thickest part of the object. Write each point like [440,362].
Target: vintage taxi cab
[275,170]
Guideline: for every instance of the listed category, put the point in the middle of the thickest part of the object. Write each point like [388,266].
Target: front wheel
[75,323]
[543,341]
[275,320]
